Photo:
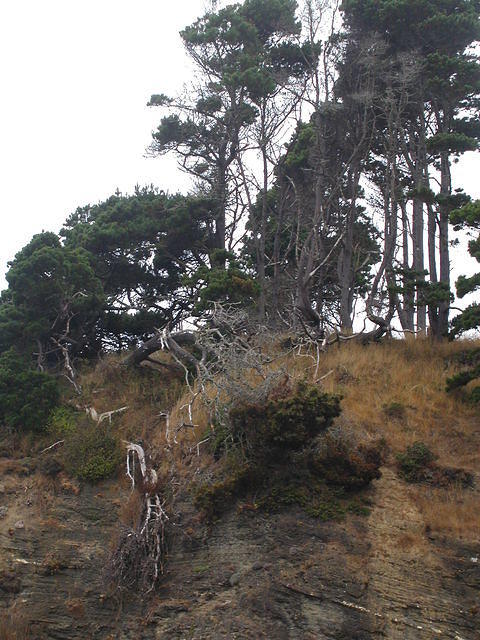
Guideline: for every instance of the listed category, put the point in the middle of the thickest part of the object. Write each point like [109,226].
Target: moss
[413,462]
[215,498]
[315,497]
[201,568]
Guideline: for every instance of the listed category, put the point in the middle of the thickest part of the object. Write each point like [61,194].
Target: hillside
[353,552]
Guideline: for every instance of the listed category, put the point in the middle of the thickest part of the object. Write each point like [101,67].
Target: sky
[74,125]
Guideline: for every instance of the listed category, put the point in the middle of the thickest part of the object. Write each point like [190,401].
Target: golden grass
[452,512]
[394,390]
[408,375]
[14,625]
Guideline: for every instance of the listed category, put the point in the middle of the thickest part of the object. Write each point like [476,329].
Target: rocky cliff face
[250,575]
[407,570]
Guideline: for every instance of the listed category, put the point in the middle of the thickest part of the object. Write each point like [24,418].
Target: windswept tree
[245,56]
[143,248]
[52,303]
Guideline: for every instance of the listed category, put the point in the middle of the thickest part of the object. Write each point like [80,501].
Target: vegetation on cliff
[205,351]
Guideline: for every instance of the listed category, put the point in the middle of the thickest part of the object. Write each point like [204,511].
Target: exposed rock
[249,576]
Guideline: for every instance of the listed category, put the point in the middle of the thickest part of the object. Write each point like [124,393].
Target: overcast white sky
[75,80]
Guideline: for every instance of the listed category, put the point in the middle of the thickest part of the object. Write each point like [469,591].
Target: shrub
[92,453]
[341,463]
[62,421]
[394,410]
[274,460]
[413,462]
[461,380]
[27,397]
[286,424]
[312,495]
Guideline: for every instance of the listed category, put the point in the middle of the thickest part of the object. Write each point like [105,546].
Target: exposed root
[141,553]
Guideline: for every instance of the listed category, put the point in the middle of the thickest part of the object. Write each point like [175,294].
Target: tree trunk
[445,190]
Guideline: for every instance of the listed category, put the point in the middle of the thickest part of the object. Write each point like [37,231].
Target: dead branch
[52,446]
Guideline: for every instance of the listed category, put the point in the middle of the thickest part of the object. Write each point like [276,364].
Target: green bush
[461,380]
[27,397]
[92,453]
[285,424]
[62,421]
[269,455]
[414,461]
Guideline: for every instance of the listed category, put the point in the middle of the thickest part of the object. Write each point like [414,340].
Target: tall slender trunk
[261,234]
[418,234]
[445,190]
[432,267]
[406,312]
[218,240]
[345,268]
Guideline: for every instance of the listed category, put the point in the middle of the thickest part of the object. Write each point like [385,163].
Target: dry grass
[453,513]
[394,390]
[14,625]
[131,510]
[146,392]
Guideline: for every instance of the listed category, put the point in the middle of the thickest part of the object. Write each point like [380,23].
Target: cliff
[393,559]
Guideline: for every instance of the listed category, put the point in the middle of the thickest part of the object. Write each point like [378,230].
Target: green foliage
[451,143]
[285,424]
[460,380]
[27,397]
[141,248]
[413,462]
[230,284]
[63,421]
[468,216]
[53,292]
[92,452]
